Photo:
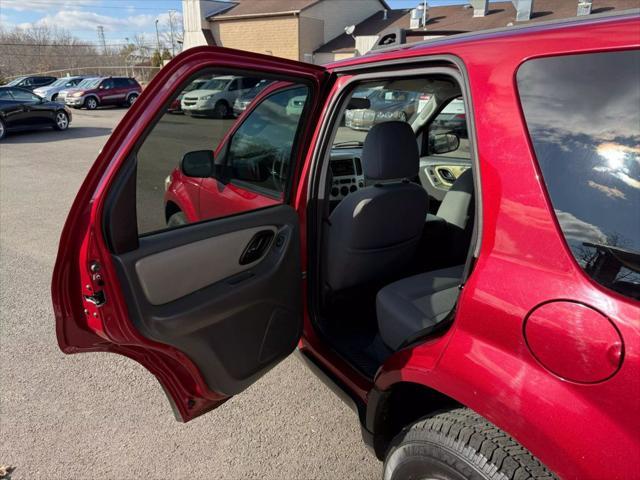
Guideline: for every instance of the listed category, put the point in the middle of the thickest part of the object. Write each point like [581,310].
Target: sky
[121,19]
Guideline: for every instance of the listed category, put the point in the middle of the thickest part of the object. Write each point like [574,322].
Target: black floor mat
[356,339]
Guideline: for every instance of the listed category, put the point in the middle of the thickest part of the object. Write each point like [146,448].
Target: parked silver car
[51,92]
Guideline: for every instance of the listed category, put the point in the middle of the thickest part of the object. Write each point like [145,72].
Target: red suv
[95,92]
[474,297]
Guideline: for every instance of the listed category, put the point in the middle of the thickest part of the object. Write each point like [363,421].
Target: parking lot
[103,416]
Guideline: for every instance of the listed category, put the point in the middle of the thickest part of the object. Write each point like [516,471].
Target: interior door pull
[257,246]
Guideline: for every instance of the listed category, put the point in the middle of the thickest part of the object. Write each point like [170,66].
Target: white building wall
[364,43]
[193,18]
[338,14]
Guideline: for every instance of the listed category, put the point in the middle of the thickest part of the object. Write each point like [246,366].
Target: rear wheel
[61,121]
[131,99]
[460,445]
[91,103]
[221,110]
[176,220]
[3,129]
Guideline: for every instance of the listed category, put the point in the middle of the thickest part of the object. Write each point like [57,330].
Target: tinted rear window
[583,116]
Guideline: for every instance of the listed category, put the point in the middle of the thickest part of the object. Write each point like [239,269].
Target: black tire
[176,220]
[131,99]
[3,129]
[54,97]
[460,445]
[91,103]
[61,120]
[221,110]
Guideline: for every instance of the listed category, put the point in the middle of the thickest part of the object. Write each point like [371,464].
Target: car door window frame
[320,162]
[120,221]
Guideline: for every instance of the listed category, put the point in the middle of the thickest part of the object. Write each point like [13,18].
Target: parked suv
[484,327]
[51,92]
[217,96]
[31,82]
[103,91]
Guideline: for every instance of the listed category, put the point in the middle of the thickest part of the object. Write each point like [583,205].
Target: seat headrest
[390,151]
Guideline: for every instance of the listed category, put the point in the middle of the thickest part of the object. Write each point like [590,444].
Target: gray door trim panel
[174,273]
[239,327]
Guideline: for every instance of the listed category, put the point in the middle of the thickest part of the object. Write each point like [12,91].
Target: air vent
[358,166]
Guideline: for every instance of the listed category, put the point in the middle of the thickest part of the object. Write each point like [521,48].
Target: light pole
[158,39]
[173,45]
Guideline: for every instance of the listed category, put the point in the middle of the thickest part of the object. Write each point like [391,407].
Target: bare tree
[172,34]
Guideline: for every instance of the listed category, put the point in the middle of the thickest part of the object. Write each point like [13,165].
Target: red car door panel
[209,328]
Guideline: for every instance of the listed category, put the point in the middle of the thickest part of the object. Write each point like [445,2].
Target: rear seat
[412,304]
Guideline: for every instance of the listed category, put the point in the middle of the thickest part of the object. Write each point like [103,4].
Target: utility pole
[101,39]
[173,44]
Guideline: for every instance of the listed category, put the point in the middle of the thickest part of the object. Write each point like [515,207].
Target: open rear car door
[209,307]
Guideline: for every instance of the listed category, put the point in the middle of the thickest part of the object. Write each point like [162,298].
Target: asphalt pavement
[101,416]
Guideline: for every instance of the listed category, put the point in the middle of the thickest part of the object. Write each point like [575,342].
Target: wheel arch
[92,95]
[389,411]
[170,208]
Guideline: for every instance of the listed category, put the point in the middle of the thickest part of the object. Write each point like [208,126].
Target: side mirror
[440,143]
[198,164]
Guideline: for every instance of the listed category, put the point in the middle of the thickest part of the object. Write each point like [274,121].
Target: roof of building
[460,18]
[259,8]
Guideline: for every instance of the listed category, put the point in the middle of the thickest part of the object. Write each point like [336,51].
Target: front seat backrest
[457,209]
[374,232]
[455,206]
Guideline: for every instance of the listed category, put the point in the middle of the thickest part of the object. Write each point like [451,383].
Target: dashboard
[346,173]
[437,173]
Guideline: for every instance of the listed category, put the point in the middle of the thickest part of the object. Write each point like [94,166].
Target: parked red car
[97,92]
[482,323]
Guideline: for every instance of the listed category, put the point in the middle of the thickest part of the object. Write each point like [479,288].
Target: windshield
[215,84]
[60,82]
[15,81]
[195,85]
[89,83]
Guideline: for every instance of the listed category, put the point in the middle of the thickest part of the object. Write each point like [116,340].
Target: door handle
[256,247]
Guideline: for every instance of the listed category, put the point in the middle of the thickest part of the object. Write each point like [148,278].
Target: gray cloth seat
[413,304]
[450,229]
[375,231]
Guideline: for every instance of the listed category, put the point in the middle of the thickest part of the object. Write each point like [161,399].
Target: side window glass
[259,153]
[107,84]
[198,163]
[22,96]
[584,123]
[233,85]
[448,135]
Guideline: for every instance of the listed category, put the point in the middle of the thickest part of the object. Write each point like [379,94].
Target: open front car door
[181,250]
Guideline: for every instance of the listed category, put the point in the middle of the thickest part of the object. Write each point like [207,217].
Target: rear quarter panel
[580,431]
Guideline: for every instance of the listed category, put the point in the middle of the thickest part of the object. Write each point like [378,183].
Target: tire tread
[493,452]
